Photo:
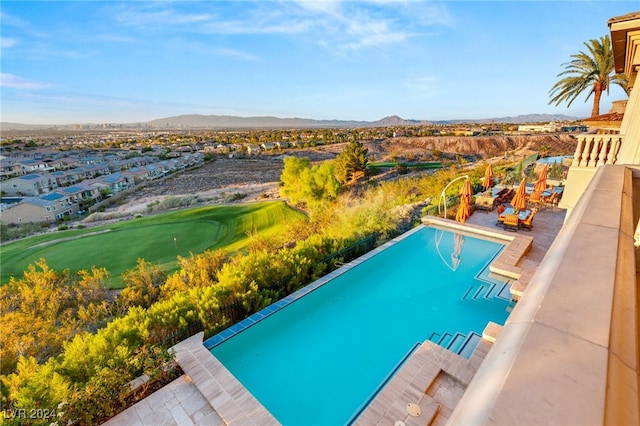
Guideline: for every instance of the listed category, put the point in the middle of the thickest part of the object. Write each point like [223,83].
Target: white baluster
[577,156]
[604,151]
[617,144]
[594,153]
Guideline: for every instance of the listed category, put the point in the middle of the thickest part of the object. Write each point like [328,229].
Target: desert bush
[99,216]
[15,231]
[230,198]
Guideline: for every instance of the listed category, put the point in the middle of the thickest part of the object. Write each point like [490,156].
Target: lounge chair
[535,197]
[527,224]
[552,199]
[501,209]
[510,222]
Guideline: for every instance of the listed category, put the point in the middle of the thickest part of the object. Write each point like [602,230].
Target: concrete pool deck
[433,379]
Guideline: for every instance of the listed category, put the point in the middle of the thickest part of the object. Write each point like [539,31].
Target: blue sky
[78,62]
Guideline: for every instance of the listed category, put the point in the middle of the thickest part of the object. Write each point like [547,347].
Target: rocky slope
[484,146]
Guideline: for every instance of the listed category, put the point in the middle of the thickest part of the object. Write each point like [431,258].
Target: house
[612,139]
[116,182]
[32,184]
[9,168]
[82,194]
[570,355]
[146,173]
[34,166]
[610,121]
[63,178]
[69,163]
[267,146]
[47,209]
[544,128]
[252,149]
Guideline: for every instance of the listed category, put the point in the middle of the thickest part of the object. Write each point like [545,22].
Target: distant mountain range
[196,121]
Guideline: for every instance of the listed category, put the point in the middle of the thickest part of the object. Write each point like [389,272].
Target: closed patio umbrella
[487,182]
[541,183]
[466,189]
[519,201]
[464,209]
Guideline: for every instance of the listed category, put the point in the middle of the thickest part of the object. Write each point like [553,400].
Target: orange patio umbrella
[519,201]
[487,182]
[541,183]
[464,209]
[466,189]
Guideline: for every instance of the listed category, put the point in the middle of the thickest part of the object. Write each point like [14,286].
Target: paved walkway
[177,404]
[206,395]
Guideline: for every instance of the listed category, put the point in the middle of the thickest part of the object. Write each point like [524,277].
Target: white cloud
[324,6]
[11,80]
[7,42]
[342,26]
[349,26]
[153,14]
[373,33]
[257,19]
[421,83]
[258,26]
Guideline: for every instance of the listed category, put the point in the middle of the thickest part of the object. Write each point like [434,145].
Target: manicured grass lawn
[158,239]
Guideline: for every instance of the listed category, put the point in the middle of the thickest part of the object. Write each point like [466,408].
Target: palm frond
[590,71]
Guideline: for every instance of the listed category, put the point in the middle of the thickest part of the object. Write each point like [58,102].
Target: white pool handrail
[444,197]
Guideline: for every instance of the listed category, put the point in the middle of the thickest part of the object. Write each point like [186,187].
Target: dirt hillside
[484,146]
[257,177]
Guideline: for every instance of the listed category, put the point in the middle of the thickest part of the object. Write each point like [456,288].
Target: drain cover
[399,423]
[413,409]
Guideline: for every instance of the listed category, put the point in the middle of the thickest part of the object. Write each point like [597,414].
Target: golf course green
[158,239]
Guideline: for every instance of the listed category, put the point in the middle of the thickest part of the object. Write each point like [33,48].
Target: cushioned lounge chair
[527,224]
[500,211]
[510,222]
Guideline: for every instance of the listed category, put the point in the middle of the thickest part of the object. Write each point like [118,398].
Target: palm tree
[544,150]
[593,71]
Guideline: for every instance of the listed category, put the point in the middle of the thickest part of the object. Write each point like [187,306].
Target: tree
[351,163]
[593,71]
[303,183]
[544,150]
[291,184]
[45,308]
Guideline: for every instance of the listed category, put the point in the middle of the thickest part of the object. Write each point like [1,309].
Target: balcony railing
[595,150]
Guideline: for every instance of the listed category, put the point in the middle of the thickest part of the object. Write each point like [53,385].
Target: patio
[546,226]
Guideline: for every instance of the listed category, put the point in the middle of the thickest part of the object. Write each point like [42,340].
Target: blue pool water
[551,160]
[319,359]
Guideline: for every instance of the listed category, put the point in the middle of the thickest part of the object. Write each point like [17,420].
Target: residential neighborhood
[53,175]
[47,186]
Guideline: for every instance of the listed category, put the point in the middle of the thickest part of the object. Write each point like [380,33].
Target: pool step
[469,345]
[458,343]
[486,291]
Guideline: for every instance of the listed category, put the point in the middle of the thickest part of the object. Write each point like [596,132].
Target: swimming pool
[318,359]
[552,160]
